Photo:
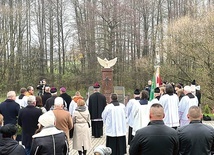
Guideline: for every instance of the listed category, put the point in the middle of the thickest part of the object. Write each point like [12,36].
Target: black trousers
[117,144]
[97,128]
[130,136]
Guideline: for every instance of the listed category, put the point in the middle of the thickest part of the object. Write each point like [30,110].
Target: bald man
[195,138]
[156,138]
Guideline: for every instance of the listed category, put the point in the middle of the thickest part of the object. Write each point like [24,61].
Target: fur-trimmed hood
[47,131]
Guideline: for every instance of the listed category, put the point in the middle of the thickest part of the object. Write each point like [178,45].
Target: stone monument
[107,76]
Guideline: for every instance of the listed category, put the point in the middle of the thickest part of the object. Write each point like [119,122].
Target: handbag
[86,120]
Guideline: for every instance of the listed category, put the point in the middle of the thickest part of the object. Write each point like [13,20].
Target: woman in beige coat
[81,136]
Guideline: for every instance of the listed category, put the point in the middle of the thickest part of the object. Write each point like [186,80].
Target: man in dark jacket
[10,109]
[49,104]
[65,96]
[96,105]
[46,95]
[156,138]
[28,120]
[196,138]
[8,144]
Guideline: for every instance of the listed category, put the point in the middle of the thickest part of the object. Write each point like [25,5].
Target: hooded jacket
[9,146]
[50,141]
[156,138]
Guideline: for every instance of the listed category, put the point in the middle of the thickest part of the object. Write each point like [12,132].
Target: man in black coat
[46,95]
[28,120]
[156,138]
[96,105]
[49,104]
[10,109]
[196,138]
[65,96]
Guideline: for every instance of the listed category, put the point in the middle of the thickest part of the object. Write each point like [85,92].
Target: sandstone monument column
[107,76]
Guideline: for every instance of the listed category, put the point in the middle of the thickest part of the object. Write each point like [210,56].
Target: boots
[84,152]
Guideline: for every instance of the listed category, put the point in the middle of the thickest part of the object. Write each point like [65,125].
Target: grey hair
[97,89]
[54,93]
[58,101]
[11,94]
[188,89]
[31,99]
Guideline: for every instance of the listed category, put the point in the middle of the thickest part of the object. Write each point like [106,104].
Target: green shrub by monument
[207,110]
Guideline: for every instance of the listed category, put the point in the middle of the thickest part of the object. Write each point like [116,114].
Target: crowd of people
[48,121]
[169,124]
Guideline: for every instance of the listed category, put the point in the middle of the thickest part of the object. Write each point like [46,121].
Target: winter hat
[47,119]
[96,85]
[8,130]
[193,82]
[63,89]
[103,150]
[53,90]
[137,92]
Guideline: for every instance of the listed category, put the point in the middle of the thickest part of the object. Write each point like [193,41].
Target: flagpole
[156,77]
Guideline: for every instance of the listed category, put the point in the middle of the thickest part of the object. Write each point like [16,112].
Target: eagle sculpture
[107,63]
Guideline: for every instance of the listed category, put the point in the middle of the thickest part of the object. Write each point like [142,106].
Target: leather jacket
[155,139]
[196,138]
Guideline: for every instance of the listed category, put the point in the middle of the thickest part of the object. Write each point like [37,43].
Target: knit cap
[103,150]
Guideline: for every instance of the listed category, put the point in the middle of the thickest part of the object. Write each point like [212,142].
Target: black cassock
[96,105]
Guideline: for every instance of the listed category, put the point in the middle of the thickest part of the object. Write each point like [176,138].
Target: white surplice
[114,118]
[183,108]
[129,111]
[170,105]
[141,116]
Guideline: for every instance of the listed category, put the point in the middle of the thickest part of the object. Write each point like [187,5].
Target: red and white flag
[157,77]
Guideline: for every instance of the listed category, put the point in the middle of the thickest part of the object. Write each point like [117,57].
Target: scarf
[143,101]
[81,108]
